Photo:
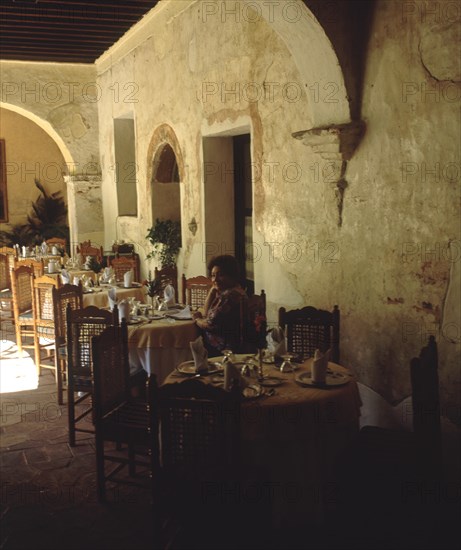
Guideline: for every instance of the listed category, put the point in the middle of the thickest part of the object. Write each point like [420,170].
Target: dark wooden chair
[57,241]
[308,329]
[22,286]
[118,417]
[195,290]
[43,315]
[251,308]
[169,276]
[122,264]
[82,325]
[62,296]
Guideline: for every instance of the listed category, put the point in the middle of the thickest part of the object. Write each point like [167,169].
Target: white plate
[332,379]
[134,321]
[188,367]
[155,317]
[133,285]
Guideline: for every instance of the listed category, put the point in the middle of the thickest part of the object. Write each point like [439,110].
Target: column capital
[337,142]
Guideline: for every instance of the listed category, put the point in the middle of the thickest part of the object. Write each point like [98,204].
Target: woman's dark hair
[227,264]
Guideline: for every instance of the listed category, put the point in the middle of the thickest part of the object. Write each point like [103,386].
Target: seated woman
[220,323]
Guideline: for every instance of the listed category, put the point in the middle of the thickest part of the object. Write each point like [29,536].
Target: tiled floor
[48,498]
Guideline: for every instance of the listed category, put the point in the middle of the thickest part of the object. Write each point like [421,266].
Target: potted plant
[165,237]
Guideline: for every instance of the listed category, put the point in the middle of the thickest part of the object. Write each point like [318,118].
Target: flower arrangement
[154,286]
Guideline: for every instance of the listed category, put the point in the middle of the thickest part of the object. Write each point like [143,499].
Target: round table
[298,435]
[158,346]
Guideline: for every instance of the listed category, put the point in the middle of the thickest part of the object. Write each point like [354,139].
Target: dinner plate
[178,317]
[271,381]
[332,379]
[155,317]
[188,367]
[133,285]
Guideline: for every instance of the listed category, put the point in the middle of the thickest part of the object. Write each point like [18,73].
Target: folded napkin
[65,277]
[108,274]
[185,314]
[124,309]
[200,355]
[128,278]
[112,294]
[76,280]
[169,296]
[319,366]
[276,343]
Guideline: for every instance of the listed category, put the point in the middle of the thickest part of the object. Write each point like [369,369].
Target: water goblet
[287,365]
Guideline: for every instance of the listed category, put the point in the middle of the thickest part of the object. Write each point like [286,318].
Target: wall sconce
[193,226]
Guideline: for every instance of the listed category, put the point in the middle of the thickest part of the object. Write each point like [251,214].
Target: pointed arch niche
[165,173]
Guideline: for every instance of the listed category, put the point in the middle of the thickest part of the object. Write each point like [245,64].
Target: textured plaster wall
[191,73]
[30,154]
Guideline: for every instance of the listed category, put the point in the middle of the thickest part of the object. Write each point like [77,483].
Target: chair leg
[37,353]
[71,414]
[58,373]
[100,474]
[18,337]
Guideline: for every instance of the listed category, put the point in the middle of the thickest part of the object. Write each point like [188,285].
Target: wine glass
[287,365]
[228,356]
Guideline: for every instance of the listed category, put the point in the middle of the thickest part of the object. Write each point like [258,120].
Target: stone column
[335,144]
[84,201]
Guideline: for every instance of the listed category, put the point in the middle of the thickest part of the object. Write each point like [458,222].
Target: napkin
[169,296]
[112,294]
[108,273]
[76,280]
[200,355]
[276,341]
[184,314]
[128,278]
[124,310]
[65,277]
[319,366]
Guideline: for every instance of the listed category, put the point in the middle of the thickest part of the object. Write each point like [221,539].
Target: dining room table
[296,430]
[99,295]
[159,342]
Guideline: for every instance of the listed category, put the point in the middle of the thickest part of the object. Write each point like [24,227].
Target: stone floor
[48,498]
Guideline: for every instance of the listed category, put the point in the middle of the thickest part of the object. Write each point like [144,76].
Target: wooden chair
[122,264]
[199,427]
[62,296]
[82,325]
[6,295]
[117,416]
[56,241]
[22,287]
[37,265]
[43,315]
[251,308]
[195,290]
[169,276]
[86,249]
[308,329]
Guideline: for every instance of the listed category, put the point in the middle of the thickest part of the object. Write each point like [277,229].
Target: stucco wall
[192,73]
[30,154]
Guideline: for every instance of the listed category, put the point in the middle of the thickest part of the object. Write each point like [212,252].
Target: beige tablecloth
[100,298]
[297,437]
[160,345]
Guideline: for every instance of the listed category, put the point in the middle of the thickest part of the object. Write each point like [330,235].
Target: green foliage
[94,265]
[47,219]
[165,238]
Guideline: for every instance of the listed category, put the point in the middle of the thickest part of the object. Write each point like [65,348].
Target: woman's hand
[197,315]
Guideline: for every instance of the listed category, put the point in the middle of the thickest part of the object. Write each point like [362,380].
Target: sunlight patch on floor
[16,373]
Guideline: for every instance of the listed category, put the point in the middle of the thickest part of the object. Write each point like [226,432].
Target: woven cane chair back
[62,296]
[308,329]
[195,290]
[122,264]
[23,289]
[37,265]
